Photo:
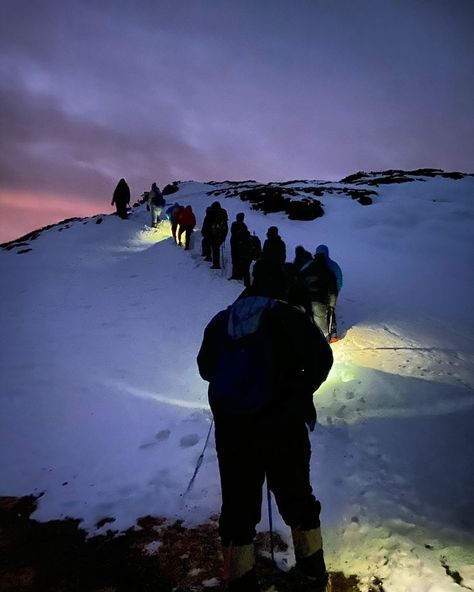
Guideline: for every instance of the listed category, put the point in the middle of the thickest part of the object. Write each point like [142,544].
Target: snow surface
[103,410]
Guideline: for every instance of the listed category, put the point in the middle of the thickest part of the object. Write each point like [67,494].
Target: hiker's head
[272,232]
[269,280]
[240,217]
[154,187]
[216,205]
[323,250]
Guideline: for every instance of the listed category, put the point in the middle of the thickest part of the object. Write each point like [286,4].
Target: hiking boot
[312,573]
[215,266]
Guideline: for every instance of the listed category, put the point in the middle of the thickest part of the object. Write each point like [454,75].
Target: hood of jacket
[246,314]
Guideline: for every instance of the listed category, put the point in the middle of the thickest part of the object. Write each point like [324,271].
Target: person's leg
[320,316]
[242,476]
[180,234]
[246,272]
[206,249]
[288,474]
[174,227]
[187,237]
[215,248]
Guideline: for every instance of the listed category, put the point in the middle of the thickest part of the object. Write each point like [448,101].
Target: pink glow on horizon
[22,212]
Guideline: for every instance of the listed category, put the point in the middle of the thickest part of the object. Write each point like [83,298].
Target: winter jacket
[217,224]
[319,280]
[172,211]
[333,266]
[302,256]
[274,250]
[302,356]
[187,217]
[155,198]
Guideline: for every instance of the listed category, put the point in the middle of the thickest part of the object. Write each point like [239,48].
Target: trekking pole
[199,461]
[270,521]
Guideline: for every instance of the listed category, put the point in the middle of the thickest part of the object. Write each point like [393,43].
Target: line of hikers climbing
[314,280]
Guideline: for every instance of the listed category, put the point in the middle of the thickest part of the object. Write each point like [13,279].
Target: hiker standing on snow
[263,359]
[320,283]
[121,198]
[156,202]
[334,293]
[218,229]
[238,235]
[187,222]
[302,256]
[274,248]
[171,215]
[205,233]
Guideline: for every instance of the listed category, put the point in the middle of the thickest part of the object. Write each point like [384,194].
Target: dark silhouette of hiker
[320,283]
[302,256]
[274,249]
[289,362]
[206,238]
[238,244]
[171,214]
[333,295]
[156,203]
[121,198]
[218,229]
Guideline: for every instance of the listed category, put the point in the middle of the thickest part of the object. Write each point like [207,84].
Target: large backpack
[247,376]
[255,247]
[218,227]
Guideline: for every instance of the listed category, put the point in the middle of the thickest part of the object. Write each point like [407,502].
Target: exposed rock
[57,556]
[170,188]
[399,176]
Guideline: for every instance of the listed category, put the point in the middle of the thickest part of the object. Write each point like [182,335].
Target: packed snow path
[104,412]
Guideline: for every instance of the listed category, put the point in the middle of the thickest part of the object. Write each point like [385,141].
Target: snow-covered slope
[102,408]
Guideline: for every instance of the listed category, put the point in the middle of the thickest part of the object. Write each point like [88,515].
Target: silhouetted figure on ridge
[121,198]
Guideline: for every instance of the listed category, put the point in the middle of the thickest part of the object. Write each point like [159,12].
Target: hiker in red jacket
[187,222]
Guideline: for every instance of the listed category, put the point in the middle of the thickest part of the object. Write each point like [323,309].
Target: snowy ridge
[104,412]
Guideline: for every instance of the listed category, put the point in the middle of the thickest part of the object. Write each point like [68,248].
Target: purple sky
[159,90]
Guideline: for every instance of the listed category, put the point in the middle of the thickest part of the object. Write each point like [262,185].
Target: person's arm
[208,352]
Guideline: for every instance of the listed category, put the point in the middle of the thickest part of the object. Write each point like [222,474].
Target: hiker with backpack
[263,359]
[187,223]
[320,283]
[156,203]
[274,248]
[302,256]
[218,229]
[334,293]
[121,199]
[171,214]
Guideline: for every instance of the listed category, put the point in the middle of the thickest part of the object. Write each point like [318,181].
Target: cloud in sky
[92,90]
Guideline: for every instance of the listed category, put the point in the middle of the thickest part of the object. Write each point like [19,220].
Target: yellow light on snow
[152,236]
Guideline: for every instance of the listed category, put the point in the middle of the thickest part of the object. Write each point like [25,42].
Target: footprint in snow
[159,437]
[188,441]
